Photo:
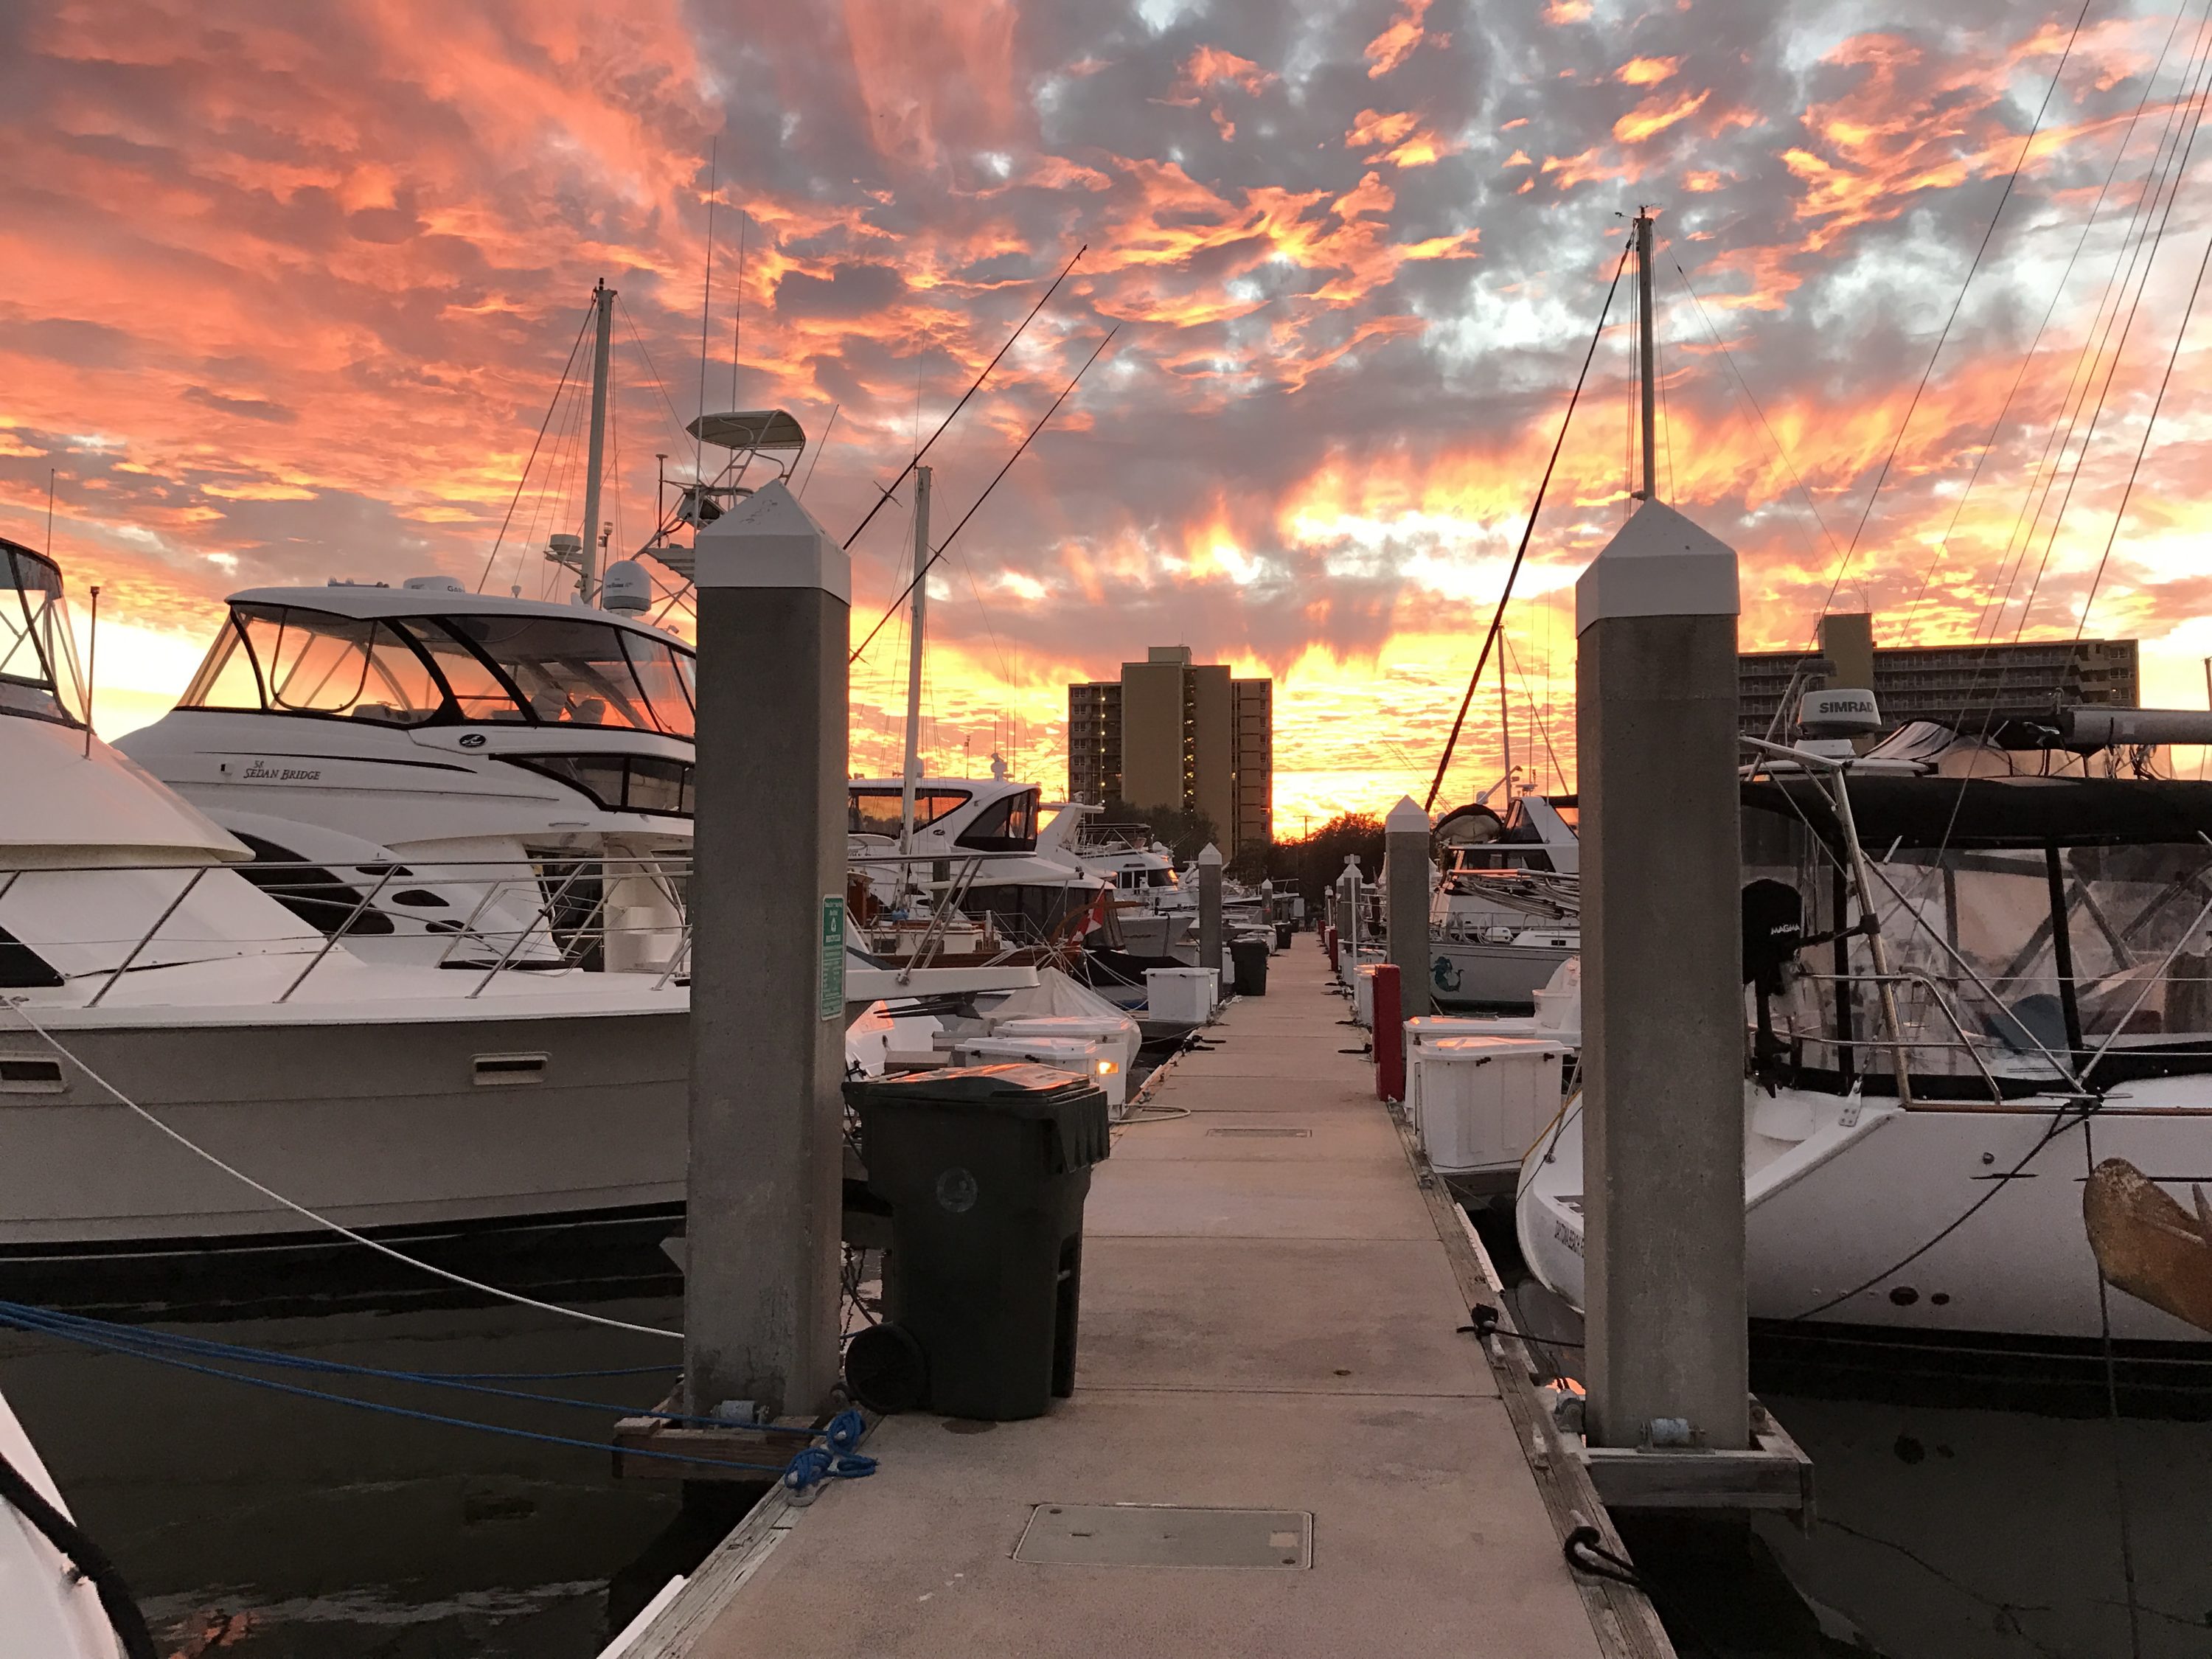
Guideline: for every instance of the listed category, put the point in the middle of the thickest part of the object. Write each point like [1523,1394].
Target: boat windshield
[879,812]
[38,657]
[414,671]
[573,671]
[2131,950]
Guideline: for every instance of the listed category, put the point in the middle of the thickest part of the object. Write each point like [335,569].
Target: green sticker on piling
[833,958]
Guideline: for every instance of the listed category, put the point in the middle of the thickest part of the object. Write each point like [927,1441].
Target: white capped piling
[1209,907]
[768,992]
[1346,902]
[1406,874]
[1663,1003]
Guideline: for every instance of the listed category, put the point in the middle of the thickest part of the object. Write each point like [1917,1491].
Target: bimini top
[430,654]
[435,596]
[1999,811]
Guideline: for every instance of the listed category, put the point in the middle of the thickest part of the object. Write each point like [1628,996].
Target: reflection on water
[1949,1533]
[1948,1527]
[261,1526]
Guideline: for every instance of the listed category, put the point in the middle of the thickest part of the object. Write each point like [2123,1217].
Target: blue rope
[812,1465]
[150,1343]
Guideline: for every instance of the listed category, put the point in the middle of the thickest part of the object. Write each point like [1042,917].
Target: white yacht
[388,1095]
[978,850]
[465,737]
[1979,1058]
[1158,913]
[1507,910]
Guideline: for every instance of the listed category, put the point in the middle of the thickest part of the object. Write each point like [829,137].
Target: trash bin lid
[1074,1108]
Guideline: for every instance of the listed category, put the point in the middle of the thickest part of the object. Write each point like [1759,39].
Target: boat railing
[498,916]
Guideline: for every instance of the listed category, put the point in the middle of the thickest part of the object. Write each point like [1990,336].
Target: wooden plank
[712,1446]
[1625,1623]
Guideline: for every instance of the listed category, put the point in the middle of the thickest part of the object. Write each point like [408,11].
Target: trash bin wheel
[886,1371]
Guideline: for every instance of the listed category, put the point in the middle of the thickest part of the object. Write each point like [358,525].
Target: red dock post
[1389,1035]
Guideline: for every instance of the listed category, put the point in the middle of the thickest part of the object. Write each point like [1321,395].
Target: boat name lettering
[1570,1237]
[263,770]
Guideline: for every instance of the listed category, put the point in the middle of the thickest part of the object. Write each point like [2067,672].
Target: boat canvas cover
[1056,996]
[1991,812]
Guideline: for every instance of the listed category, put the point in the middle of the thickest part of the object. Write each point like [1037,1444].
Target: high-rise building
[1970,685]
[1172,732]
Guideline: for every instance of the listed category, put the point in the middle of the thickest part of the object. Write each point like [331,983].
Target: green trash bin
[986,1169]
[1250,955]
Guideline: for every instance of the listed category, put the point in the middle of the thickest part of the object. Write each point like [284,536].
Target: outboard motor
[1774,932]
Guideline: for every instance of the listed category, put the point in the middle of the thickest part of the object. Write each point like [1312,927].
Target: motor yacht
[1158,913]
[1507,910]
[981,869]
[1979,1053]
[495,1103]
[469,738]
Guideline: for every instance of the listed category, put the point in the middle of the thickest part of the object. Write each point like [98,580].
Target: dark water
[1950,1532]
[300,1528]
[305,1530]
[1955,1525]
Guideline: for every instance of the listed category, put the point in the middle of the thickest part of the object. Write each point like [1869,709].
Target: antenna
[1648,381]
[91,668]
[706,312]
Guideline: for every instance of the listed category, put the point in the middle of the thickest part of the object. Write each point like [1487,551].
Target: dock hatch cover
[1165,1535]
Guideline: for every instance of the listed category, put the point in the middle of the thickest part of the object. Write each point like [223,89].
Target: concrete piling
[1662,1007]
[763,1241]
[1209,908]
[1406,873]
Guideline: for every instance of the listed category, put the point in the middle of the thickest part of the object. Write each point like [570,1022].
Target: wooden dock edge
[1622,1617]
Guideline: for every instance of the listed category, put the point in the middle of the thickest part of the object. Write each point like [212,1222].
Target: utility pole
[1650,492]
[588,575]
[919,599]
[762,1260]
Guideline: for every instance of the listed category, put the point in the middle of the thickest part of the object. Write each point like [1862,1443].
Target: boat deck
[1269,1322]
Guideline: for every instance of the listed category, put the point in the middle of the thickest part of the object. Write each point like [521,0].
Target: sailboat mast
[1650,492]
[1505,726]
[588,575]
[914,659]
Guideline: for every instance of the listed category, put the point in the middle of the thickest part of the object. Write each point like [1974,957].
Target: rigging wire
[1926,375]
[2126,263]
[520,483]
[16,1005]
[1498,620]
[2028,359]
[2120,513]
[820,444]
[884,493]
[1812,507]
[922,574]
[2119,351]
[2112,1423]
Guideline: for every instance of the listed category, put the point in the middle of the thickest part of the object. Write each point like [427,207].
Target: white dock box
[1484,1100]
[1097,1027]
[1183,994]
[1426,1028]
[1096,1059]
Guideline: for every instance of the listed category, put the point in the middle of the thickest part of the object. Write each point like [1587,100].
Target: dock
[1274,1351]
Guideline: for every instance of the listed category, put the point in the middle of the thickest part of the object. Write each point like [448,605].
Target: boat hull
[387,1127]
[1841,1213]
[1470,973]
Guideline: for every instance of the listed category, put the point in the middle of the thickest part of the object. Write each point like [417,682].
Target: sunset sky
[284,304]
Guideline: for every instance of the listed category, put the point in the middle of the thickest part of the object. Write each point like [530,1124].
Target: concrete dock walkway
[1268,1322]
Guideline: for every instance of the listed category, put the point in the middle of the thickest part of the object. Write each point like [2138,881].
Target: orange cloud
[1646,71]
[1656,115]
[1396,43]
